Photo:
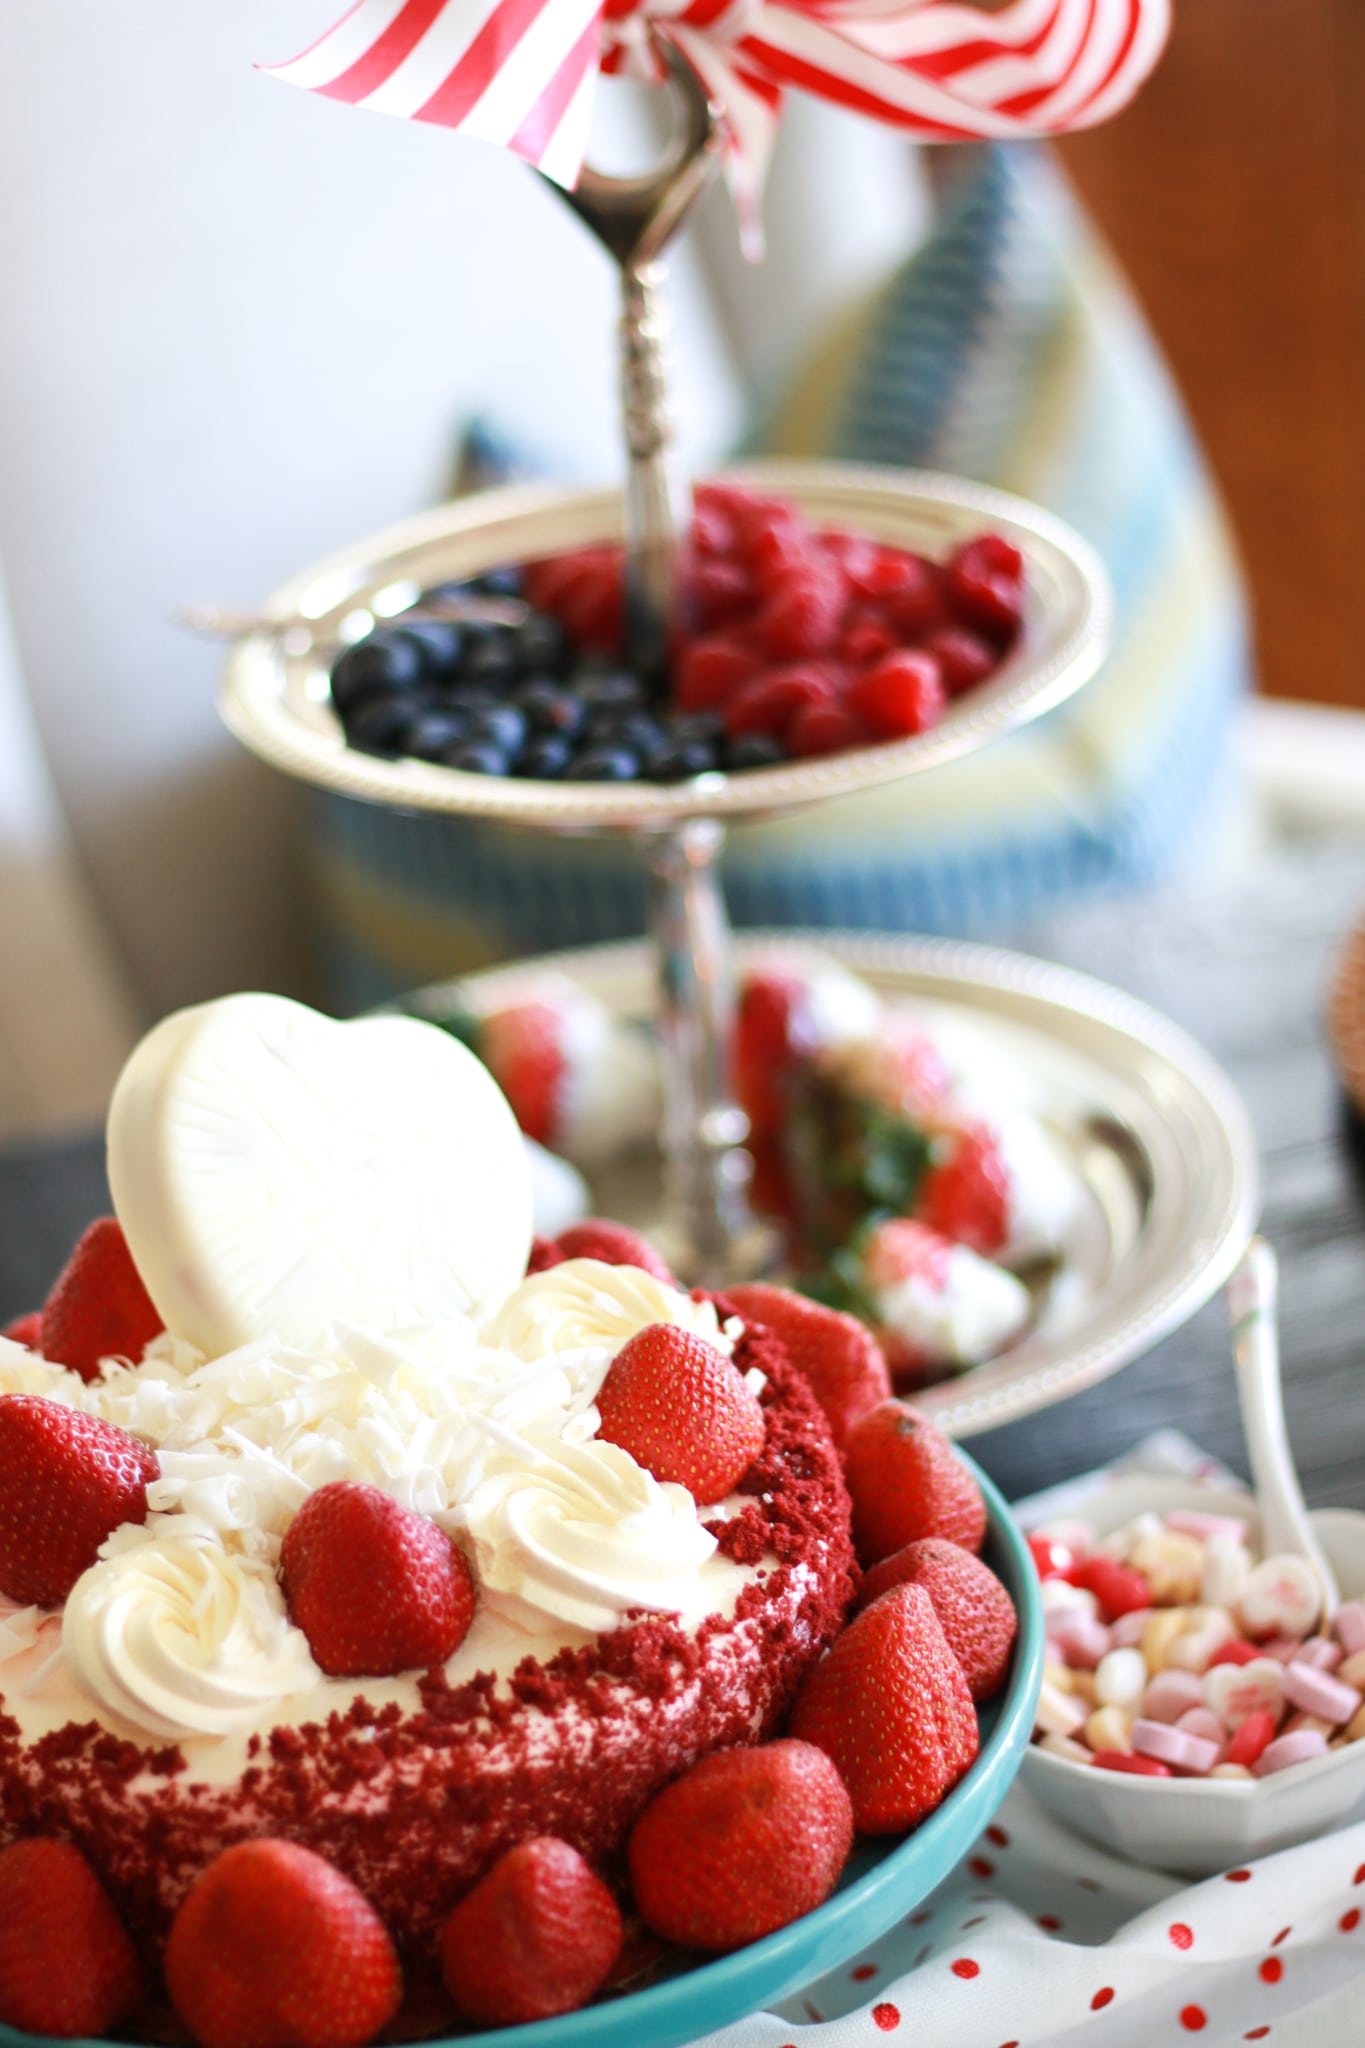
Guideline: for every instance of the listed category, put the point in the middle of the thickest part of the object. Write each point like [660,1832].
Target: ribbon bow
[520,72]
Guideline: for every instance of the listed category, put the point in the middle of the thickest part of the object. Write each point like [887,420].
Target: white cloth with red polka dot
[1040,1939]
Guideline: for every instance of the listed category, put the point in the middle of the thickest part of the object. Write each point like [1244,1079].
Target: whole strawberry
[538,1935]
[597,1238]
[66,1964]
[965,1195]
[273,1948]
[682,1411]
[67,1481]
[26,1330]
[890,1706]
[907,1481]
[375,1588]
[838,1355]
[745,1842]
[975,1612]
[99,1307]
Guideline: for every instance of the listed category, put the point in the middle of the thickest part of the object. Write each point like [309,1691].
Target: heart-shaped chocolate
[275,1171]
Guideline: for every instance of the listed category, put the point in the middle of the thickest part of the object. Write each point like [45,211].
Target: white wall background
[241,326]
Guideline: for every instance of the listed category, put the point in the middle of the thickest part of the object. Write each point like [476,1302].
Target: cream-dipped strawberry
[580,1079]
[67,1481]
[936,1304]
[682,1411]
[375,1588]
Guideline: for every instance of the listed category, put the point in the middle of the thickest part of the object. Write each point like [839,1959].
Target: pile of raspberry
[1174,1652]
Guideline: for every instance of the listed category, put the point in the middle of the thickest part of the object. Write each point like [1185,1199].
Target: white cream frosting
[584,1304]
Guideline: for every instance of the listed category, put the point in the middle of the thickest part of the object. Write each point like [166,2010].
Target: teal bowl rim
[697,2001]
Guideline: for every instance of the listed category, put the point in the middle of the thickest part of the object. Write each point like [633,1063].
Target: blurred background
[244,326]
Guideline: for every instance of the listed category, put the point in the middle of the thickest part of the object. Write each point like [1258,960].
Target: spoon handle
[1252,1296]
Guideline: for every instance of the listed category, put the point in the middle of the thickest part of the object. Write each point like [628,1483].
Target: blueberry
[382,663]
[678,759]
[433,732]
[490,655]
[379,726]
[755,750]
[501,725]
[546,758]
[439,644]
[603,764]
[471,697]
[542,644]
[624,728]
[476,758]
[549,707]
[506,582]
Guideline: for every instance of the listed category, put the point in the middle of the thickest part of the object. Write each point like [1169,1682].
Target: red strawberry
[837,1354]
[544,1253]
[986,584]
[907,1481]
[974,1611]
[966,1196]
[890,1706]
[773,1032]
[66,1964]
[802,616]
[824,728]
[745,1842]
[26,1330]
[273,1948]
[682,1411]
[538,1935]
[900,695]
[709,671]
[375,1588]
[99,1307]
[598,1238]
[67,1481]
[770,701]
[523,1049]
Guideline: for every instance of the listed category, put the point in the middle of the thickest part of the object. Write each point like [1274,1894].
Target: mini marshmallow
[1288,1750]
[1319,1651]
[1171,1694]
[1127,1630]
[1165,1628]
[1172,1565]
[1056,1713]
[1317,1692]
[1063,1746]
[1190,1522]
[1120,1678]
[1056,1673]
[1233,1691]
[1172,1746]
[1282,1597]
[1350,1626]
[1110,1728]
[1226,1569]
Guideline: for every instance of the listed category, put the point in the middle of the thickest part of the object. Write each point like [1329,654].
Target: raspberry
[713,528]
[985,582]
[802,615]
[718,592]
[770,701]
[964,658]
[866,638]
[710,670]
[902,695]
[823,728]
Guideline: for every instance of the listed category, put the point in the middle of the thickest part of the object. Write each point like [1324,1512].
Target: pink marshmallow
[1350,1626]
[1189,1522]
[1321,1653]
[1128,1630]
[1171,1694]
[1173,1746]
[1317,1692]
[1287,1750]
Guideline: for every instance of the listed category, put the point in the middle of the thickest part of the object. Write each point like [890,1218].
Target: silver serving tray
[1157,1133]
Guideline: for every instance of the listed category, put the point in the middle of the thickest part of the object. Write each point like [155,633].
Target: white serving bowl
[1198,1826]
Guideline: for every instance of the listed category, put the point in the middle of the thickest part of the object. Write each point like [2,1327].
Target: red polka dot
[1104,1996]
[1089,1884]
[813,2013]
[1272,1969]
[1193,2018]
[886,2017]
[863,1972]
[1255,2033]
[1349,1921]
[1001,1841]
[918,1919]
[1283,1935]
[1050,1923]
[1180,1934]
[977,1920]
[1236,1877]
[923,1955]
[965,1967]
[1359,1877]
[981,1866]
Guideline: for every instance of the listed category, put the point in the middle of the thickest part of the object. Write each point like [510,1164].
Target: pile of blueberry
[518,700]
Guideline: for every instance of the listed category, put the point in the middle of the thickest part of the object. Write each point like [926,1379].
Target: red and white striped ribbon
[520,72]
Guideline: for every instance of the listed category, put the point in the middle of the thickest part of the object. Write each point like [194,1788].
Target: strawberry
[890,1706]
[66,1964]
[273,1948]
[966,1194]
[99,1307]
[598,1238]
[974,1611]
[838,1355]
[682,1411]
[899,695]
[26,1330]
[744,1843]
[523,1049]
[907,1481]
[375,1588]
[67,1481]
[538,1935]
[774,1031]
[901,1250]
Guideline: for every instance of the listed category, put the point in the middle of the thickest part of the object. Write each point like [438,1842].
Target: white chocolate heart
[275,1171]
[1281,1597]
[1234,1691]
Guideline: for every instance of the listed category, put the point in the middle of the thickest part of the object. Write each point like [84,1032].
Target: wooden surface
[1244,966]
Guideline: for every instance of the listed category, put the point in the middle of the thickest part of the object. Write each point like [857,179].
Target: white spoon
[1285,1528]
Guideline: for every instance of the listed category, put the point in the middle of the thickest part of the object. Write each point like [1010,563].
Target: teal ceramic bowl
[884,1879]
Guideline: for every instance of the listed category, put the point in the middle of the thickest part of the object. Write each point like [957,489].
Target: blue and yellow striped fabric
[1006,349]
